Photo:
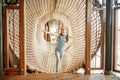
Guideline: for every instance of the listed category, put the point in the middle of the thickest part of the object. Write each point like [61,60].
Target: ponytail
[67,38]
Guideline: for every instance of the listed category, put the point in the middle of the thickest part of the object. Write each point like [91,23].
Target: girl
[63,38]
[61,45]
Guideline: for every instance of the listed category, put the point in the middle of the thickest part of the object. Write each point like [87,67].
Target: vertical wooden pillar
[1,39]
[88,37]
[102,38]
[108,38]
[22,39]
[6,39]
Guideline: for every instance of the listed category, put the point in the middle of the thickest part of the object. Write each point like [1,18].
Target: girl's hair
[67,38]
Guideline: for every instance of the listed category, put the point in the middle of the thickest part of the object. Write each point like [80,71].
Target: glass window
[53,37]
[101,1]
[117,2]
[117,41]
[98,3]
[11,2]
[96,60]
[52,26]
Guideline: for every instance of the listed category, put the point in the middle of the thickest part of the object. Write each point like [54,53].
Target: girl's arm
[50,33]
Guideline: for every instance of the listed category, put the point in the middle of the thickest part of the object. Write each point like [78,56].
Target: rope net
[40,53]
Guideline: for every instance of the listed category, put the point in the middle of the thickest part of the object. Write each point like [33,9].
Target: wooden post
[22,39]
[102,38]
[88,37]
[6,40]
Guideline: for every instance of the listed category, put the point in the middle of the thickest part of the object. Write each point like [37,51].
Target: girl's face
[62,30]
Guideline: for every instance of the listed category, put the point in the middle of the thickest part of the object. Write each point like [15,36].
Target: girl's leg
[57,61]
[61,57]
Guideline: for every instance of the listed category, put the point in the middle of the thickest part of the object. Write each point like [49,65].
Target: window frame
[8,2]
[116,2]
[114,40]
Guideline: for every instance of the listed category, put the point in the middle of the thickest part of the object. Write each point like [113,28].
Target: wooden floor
[60,76]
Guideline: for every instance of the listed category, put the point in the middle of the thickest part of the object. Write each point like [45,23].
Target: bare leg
[58,60]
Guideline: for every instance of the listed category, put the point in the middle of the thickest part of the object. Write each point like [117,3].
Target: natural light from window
[101,1]
[118,46]
[118,1]
[53,37]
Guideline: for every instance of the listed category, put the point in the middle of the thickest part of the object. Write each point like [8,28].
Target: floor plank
[60,76]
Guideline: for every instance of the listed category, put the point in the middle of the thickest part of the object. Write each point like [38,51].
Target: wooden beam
[12,7]
[102,41]
[22,39]
[6,40]
[88,37]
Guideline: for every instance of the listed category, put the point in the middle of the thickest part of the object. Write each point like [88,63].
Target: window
[96,62]
[52,26]
[53,37]
[11,2]
[117,2]
[98,3]
[117,41]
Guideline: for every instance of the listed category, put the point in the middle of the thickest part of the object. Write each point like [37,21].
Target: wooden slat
[88,37]
[22,39]
[12,7]
[6,40]
[102,39]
